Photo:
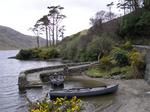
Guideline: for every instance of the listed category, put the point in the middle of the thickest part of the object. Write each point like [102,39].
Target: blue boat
[83,92]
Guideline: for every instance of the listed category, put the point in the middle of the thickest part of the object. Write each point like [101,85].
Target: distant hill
[11,39]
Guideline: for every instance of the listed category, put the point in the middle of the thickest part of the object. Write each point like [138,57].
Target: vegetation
[59,105]
[136,24]
[103,41]
[38,53]
[123,60]
[82,49]
[50,26]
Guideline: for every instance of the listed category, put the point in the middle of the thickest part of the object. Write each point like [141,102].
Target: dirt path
[132,96]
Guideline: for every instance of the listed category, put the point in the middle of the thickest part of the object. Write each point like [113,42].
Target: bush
[48,53]
[24,54]
[58,105]
[120,56]
[105,63]
[127,46]
[100,45]
[137,63]
[37,53]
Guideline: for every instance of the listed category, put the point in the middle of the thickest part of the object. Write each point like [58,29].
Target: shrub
[24,54]
[99,45]
[48,53]
[127,46]
[59,105]
[120,56]
[105,63]
[137,63]
[37,53]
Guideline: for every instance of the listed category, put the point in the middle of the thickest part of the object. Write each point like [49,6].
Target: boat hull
[85,92]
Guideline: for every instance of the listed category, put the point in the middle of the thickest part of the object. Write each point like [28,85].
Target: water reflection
[10,99]
[91,104]
[13,101]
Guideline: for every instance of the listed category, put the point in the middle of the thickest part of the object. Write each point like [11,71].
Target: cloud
[22,14]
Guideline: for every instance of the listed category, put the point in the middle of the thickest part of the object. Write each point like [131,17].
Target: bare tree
[110,6]
[37,31]
[98,18]
[61,32]
[108,14]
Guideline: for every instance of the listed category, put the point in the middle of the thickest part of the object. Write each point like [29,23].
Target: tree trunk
[136,5]
[56,34]
[38,43]
[53,32]
[50,40]
[46,37]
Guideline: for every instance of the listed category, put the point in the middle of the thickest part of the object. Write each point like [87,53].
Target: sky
[23,14]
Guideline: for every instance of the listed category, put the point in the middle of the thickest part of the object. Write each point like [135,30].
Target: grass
[125,72]
[94,72]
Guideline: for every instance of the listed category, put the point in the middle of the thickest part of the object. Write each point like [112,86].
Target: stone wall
[146,51]
[71,68]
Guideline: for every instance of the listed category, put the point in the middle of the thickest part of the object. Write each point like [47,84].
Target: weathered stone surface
[22,81]
[32,78]
[146,50]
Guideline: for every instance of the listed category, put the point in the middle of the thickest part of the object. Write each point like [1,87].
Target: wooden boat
[56,80]
[83,92]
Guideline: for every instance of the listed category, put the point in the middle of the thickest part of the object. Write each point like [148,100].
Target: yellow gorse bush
[59,105]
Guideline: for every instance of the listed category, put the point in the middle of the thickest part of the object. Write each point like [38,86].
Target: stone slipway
[32,78]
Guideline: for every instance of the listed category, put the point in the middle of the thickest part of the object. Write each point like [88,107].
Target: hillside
[11,39]
[87,45]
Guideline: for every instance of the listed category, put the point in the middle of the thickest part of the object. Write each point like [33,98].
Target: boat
[83,92]
[56,80]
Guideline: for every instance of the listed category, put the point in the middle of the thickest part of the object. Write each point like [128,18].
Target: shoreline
[132,96]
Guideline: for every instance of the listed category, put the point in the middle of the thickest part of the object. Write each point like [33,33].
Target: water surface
[12,101]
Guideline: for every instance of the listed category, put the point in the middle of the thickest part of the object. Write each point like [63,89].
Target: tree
[61,32]
[110,6]
[132,5]
[123,4]
[37,31]
[98,18]
[108,14]
[44,21]
[147,4]
[55,17]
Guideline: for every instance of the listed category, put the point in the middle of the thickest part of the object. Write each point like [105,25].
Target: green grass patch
[97,73]
[124,72]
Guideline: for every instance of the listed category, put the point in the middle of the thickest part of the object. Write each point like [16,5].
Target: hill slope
[89,44]
[11,39]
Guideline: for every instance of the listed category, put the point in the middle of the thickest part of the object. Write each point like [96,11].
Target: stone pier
[32,78]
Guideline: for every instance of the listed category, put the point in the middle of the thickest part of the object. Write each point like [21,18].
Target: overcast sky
[22,14]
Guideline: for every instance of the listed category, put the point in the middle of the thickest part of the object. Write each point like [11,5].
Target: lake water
[11,100]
